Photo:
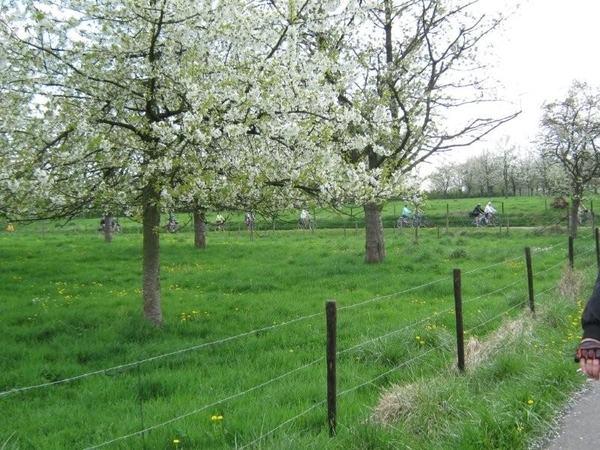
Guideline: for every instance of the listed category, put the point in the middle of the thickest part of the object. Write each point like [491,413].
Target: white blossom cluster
[121,103]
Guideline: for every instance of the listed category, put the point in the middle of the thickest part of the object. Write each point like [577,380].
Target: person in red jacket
[588,354]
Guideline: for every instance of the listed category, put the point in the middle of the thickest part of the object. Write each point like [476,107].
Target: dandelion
[216,418]
[530,401]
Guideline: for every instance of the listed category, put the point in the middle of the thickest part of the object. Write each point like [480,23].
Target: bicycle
[404,222]
[488,220]
[220,226]
[172,226]
[307,224]
[482,220]
[115,227]
[474,221]
[417,221]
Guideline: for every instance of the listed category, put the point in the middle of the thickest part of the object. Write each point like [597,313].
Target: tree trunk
[199,228]
[375,244]
[151,264]
[108,229]
[574,216]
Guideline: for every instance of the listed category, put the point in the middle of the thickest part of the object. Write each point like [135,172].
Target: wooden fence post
[331,312]
[460,335]
[447,217]
[529,279]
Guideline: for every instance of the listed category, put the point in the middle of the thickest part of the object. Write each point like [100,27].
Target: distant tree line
[564,159]
[506,172]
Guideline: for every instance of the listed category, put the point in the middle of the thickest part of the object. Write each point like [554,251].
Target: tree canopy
[144,106]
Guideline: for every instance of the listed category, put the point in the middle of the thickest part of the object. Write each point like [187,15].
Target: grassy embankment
[240,357]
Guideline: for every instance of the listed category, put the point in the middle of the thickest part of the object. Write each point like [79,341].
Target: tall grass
[239,362]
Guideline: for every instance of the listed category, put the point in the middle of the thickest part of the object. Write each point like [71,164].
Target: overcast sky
[541,50]
[545,47]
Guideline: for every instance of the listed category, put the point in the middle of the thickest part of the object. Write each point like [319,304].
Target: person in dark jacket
[478,214]
[588,354]
[478,210]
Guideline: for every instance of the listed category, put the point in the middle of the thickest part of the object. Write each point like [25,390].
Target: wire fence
[515,287]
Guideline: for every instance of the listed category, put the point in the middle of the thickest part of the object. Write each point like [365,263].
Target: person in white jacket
[489,211]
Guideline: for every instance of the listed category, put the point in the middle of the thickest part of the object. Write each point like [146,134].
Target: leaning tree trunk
[199,228]
[375,244]
[151,264]
[108,229]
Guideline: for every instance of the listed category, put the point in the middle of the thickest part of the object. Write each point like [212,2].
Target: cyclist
[478,213]
[249,220]
[220,222]
[172,224]
[489,212]
[404,216]
[304,218]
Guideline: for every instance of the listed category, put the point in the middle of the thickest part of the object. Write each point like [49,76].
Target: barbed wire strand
[281,425]
[161,356]
[231,338]
[282,376]
[218,402]
[491,319]
[370,381]
[239,394]
[196,347]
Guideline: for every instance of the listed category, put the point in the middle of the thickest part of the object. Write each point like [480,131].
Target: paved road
[580,426]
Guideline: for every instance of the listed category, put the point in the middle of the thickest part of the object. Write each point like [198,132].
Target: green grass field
[240,359]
